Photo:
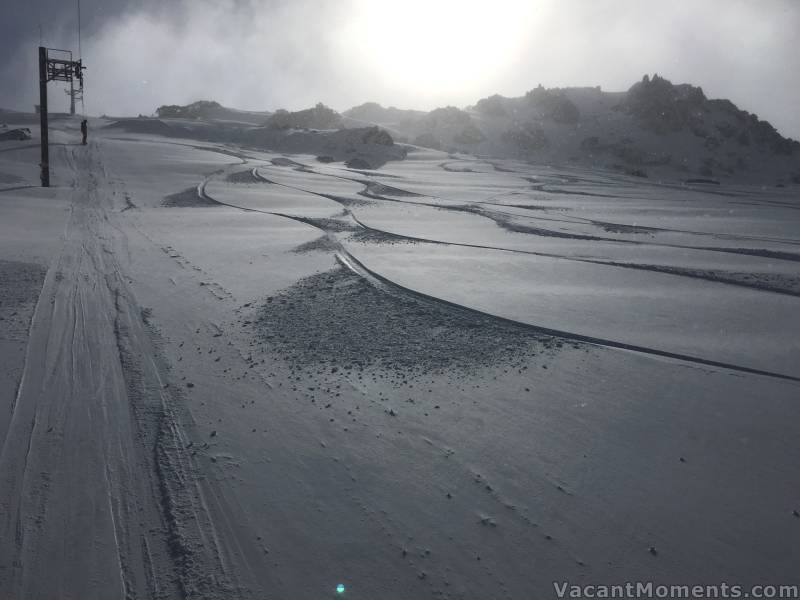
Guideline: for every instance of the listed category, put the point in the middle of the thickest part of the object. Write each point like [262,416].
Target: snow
[246,374]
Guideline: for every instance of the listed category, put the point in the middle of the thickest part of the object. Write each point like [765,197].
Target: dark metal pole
[45,164]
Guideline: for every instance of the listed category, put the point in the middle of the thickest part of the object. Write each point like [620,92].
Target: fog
[262,54]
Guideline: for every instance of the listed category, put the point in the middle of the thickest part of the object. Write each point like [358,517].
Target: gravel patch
[340,320]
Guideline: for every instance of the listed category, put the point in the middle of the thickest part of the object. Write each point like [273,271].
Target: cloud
[265,54]
[241,54]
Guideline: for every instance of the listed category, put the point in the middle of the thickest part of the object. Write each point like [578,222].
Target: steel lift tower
[58,67]
[75,95]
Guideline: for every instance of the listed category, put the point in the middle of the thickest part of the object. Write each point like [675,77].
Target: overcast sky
[267,54]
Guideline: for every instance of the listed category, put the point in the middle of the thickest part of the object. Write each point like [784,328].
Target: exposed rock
[553,104]
[428,140]
[20,134]
[530,137]
[492,106]
[664,107]
[358,163]
[375,113]
[375,135]
[470,134]
[209,110]
[449,116]
[319,117]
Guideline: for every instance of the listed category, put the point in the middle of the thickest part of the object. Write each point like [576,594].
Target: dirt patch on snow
[243,177]
[373,236]
[323,243]
[188,198]
[339,320]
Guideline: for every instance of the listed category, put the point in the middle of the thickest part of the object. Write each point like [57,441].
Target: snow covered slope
[238,373]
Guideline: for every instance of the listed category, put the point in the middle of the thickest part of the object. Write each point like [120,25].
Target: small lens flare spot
[340,588]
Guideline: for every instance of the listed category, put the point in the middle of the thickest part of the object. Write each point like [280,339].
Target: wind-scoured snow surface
[230,373]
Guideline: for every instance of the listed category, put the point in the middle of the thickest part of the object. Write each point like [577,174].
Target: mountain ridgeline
[654,129]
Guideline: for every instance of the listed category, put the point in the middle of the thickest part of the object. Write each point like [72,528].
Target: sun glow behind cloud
[437,48]
[268,54]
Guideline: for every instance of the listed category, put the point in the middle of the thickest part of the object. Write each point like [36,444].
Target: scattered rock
[20,134]
[358,163]
[326,331]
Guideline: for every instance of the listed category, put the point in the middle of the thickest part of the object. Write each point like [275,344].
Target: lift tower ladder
[59,67]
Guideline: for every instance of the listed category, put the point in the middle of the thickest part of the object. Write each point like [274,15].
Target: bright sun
[438,46]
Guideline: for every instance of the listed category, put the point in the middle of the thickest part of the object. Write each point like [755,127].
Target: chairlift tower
[75,95]
[58,67]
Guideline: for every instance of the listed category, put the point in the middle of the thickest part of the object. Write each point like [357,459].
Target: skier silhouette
[84,130]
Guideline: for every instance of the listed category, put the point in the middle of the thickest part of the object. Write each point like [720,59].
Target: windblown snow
[264,367]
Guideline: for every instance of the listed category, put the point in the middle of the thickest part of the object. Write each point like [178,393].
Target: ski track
[375,278]
[99,497]
[494,216]
[100,492]
[502,219]
[719,278]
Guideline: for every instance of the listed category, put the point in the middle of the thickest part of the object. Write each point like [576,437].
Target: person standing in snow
[84,130]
